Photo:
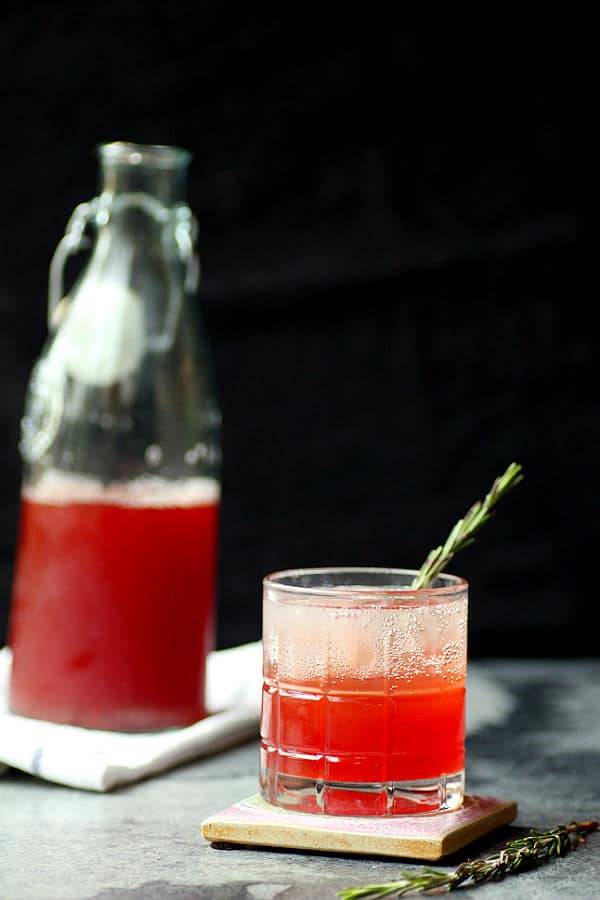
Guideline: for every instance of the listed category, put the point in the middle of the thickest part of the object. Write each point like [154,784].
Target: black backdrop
[398,265]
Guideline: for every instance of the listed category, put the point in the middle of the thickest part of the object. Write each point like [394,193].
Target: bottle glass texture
[113,605]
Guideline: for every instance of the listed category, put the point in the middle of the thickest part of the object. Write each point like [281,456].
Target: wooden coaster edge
[280,835]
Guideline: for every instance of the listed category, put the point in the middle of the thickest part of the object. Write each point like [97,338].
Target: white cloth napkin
[102,760]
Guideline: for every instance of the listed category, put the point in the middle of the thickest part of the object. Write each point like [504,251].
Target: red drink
[353,735]
[364,692]
[113,603]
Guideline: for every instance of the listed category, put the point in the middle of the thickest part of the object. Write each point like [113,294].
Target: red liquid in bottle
[113,604]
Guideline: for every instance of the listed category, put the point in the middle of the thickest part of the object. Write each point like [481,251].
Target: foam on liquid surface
[404,643]
[59,488]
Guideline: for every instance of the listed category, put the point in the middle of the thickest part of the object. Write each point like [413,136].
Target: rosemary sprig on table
[519,854]
[464,531]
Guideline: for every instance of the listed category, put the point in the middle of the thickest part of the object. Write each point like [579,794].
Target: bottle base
[121,719]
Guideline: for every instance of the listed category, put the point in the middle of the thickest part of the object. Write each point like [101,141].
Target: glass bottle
[112,612]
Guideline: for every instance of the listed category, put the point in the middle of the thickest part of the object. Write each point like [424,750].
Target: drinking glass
[363,708]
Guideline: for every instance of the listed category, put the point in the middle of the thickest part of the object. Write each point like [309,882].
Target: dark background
[399,276]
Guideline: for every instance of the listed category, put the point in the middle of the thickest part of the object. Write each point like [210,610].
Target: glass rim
[162,155]
[455,584]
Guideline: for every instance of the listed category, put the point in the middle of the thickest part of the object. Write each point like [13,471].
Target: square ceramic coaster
[428,837]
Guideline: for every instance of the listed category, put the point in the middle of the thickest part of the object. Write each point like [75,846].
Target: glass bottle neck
[158,171]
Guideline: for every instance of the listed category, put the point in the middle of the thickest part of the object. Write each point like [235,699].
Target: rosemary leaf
[519,854]
[463,533]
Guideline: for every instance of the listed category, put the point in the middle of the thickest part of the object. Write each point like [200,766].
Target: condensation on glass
[364,692]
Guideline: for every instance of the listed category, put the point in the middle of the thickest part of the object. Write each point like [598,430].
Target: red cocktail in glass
[364,692]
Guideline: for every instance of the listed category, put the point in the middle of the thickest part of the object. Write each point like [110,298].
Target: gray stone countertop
[534,738]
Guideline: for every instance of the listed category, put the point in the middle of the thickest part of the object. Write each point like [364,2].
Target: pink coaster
[430,837]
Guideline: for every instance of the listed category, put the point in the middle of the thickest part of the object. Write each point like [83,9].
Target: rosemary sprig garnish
[519,854]
[464,531]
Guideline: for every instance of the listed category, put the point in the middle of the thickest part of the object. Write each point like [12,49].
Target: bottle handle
[186,231]
[73,240]
[186,235]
